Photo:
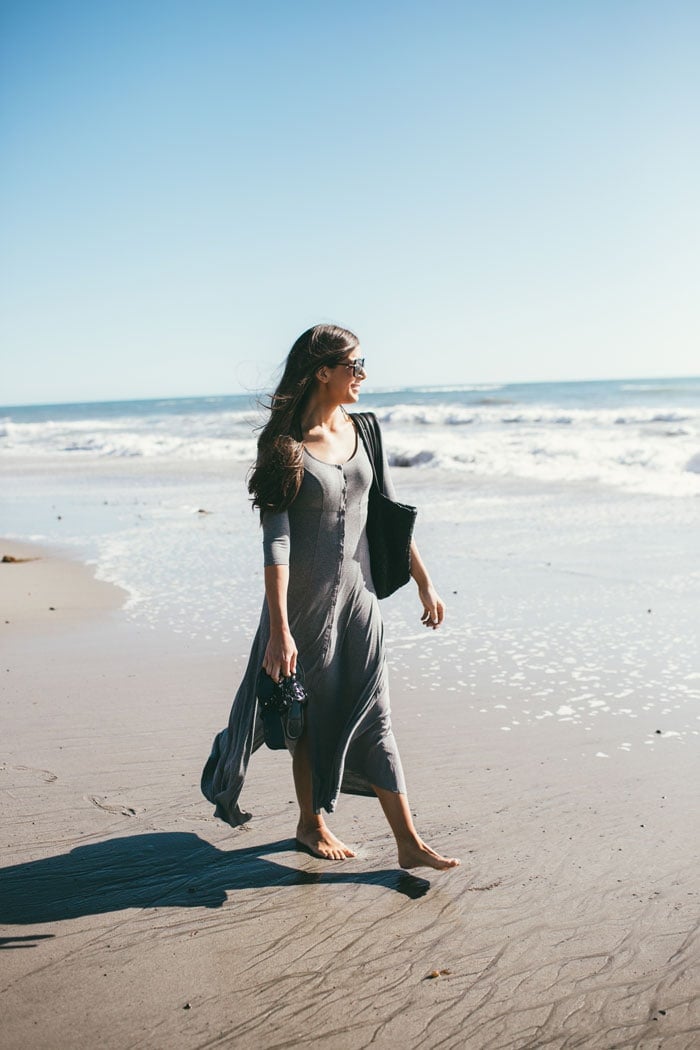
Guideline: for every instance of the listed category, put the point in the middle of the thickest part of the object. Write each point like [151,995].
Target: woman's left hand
[433,606]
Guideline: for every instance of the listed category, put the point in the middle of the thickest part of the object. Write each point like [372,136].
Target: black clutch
[389,523]
[282,707]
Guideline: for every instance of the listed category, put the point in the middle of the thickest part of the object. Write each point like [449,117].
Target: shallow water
[567,603]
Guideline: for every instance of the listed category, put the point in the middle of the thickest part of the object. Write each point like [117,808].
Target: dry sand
[132,918]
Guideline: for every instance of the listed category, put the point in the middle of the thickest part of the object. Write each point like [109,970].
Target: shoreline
[43,588]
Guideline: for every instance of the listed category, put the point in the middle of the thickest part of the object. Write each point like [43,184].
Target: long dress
[335,620]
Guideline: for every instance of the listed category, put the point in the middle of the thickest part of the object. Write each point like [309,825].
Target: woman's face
[343,385]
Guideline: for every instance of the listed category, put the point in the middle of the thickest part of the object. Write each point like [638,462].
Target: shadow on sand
[160,869]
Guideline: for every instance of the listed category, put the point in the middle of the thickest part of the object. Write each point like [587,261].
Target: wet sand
[41,588]
[131,917]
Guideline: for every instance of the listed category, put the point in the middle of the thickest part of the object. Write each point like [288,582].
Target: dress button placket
[341,546]
[341,529]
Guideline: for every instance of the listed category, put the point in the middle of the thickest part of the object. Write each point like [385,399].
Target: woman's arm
[433,606]
[280,658]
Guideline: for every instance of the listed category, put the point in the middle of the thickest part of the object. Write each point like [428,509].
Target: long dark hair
[279,468]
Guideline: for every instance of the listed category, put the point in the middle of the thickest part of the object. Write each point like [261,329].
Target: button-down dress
[335,620]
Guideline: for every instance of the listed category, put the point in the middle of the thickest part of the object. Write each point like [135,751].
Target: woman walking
[311,484]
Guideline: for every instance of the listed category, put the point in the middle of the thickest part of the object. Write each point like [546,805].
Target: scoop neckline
[327,462]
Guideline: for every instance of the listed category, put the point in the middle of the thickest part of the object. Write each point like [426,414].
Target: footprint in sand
[481,889]
[117,808]
[45,774]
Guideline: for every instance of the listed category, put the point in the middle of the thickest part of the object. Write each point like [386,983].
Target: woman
[311,483]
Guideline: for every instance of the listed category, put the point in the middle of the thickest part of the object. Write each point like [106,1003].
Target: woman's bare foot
[321,841]
[413,853]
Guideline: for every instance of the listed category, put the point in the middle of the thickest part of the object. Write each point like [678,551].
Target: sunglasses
[358,366]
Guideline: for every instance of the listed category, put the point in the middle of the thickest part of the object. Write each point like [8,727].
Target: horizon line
[419,387]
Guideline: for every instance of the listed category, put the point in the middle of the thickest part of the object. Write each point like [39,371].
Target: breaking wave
[601,433]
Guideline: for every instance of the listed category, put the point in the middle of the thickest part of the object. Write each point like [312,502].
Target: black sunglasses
[358,366]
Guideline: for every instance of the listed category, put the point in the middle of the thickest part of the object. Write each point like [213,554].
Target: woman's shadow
[160,869]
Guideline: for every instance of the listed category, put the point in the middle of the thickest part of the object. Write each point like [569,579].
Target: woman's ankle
[408,838]
[311,821]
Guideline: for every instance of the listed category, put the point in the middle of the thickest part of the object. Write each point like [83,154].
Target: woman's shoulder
[365,419]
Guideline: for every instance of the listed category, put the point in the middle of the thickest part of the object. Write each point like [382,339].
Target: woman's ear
[322,375]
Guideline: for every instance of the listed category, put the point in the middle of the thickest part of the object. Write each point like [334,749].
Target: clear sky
[482,191]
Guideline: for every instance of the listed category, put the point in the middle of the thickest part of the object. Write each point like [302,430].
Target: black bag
[389,524]
[281,707]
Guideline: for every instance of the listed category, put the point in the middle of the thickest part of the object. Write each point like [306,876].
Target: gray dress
[335,621]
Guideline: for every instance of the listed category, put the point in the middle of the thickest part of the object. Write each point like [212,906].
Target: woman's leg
[312,831]
[413,852]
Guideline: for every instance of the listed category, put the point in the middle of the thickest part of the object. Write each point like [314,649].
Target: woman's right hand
[280,659]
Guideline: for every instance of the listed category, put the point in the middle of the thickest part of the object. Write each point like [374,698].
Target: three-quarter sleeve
[275,527]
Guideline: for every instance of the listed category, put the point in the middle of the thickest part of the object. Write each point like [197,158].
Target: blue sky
[482,191]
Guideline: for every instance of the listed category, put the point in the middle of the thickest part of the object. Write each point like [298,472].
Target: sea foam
[635,436]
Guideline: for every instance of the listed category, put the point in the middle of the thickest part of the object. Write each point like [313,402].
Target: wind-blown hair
[279,468]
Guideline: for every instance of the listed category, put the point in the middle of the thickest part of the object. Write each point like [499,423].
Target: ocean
[560,522]
[634,435]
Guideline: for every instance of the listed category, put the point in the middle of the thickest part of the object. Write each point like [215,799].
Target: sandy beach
[132,918]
